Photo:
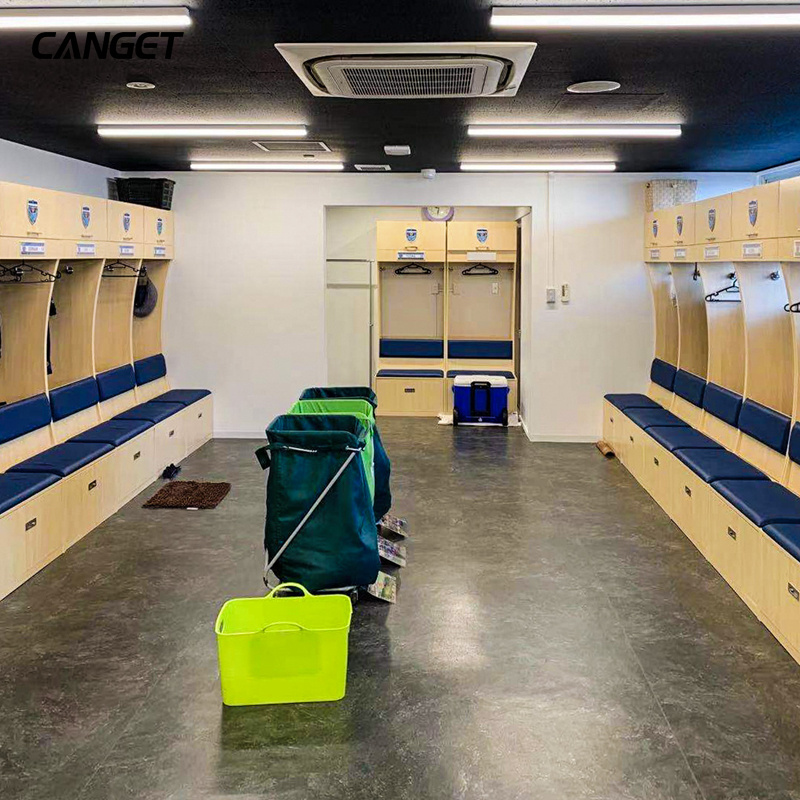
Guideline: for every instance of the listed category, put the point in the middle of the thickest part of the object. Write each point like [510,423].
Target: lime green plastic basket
[283,649]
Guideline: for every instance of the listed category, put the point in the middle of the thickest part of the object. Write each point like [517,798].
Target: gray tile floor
[556,638]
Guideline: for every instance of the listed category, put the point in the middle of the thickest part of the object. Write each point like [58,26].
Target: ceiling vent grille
[292,146]
[410,71]
[373,167]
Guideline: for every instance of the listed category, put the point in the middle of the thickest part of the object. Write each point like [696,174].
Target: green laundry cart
[320,528]
[383,467]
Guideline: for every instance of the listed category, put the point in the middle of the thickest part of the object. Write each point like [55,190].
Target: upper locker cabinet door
[712,219]
[125,222]
[157,226]
[652,228]
[789,215]
[28,212]
[755,212]
[410,237]
[475,236]
[84,217]
[681,222]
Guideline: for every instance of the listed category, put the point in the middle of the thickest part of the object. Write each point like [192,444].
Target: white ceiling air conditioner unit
[402,71]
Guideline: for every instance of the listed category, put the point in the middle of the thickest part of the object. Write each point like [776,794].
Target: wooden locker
[82,503]
[754,212]
[199,422]
[690,500]
[422,238]
[125,222]
[712,220]
[170,441]
[789,207]
[30,213]
[780,603]
[411,397]
[496,236]
[681,221]
[657,472]
[158,226]
[609,424]
[83,218]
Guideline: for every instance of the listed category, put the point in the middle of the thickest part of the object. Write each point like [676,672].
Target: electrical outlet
[495,288]
[565,293]
[551,294]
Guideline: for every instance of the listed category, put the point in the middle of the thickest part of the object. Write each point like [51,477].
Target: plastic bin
[480,398]
[153,192]
[283,649]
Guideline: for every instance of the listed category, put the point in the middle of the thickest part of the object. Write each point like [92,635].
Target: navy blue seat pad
[24,416]
[663,374]
[183,396]
[503,373]
[722,403]
[623,401]
[411,373]
[675,438]
[721,464]
[787,535]
[16,487]
[648,417]
[154,412]
[761,501]
[150,369]
[114,432]
[116,381]
[64,459]
[690,387]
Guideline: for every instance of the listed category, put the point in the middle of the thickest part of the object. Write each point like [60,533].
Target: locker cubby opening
[692,325]
[147,329]
[665,312]
[412,304]
[114,318]
[481,306]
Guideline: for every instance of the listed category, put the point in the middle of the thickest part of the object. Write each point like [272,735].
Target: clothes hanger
[16,273]
[714,297]
[480,269]
[412,269]
[114,264]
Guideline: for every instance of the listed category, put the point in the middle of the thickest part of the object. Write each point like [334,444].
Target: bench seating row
[734,506]
[71,459]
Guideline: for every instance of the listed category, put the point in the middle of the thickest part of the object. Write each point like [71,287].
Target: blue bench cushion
[787,535]
[412,348]
[648,417]
[761,501]
[24,416]
[722,403]
[64,459]
[480,348]
[794,443]
[689,387]
[502,373]
[16,487]
[673,439]
[74,397]
[767,426]
[150,369]
[152,412]
[663,374]
[114,432]
[116,381]
[715,465]
[183,396]
[623,401]
[410,373]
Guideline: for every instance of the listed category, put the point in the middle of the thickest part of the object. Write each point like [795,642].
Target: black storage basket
[153,192]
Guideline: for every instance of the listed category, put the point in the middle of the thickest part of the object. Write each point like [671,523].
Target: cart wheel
[504,417]
[353,594]
[455,416]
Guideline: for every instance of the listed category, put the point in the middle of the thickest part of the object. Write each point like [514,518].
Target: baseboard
[239,435]
[557,439]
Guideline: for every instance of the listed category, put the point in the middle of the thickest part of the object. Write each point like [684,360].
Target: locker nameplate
[680,252]
[159,251]
[481,255]
[711,252]
[86,249]
[31,248]
[752,249]
[796,248]
[655,254]
[127,250]
[416,255]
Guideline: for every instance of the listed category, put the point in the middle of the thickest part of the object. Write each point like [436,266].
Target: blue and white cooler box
[480,398]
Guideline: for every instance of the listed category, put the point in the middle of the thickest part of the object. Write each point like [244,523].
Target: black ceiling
[737,93]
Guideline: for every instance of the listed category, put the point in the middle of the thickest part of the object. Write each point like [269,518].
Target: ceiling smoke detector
[400,71]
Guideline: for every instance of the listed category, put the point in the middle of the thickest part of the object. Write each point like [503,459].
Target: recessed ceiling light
[397,150]
[651,17]
[199,131]
[593,87]
[142,85]
[267,166]
[48,19]
[538,166]
[608,131]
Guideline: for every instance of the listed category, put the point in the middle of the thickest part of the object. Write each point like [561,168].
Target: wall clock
[438,213]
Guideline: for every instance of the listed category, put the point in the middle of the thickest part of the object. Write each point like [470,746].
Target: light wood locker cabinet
[789,219]
[199,422]
[83,501]
[610,427]
[30,213]
[125,222]
[681,222]
[780,598]
[126,470]
[410,396]
[657,471]
[500,236]
[170,441]
[754,212]
[411,237]
[83,218]
[712,220]
[158,226]
[657,230]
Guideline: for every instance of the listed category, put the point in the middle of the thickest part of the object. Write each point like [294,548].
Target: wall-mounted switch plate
[565,293]
[551,294]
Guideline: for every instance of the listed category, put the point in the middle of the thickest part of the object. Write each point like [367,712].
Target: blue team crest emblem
[159,226]
[752,211]
[33,211]
[679,224]
[655,227]
[86,216]
[482,234]
[712,218]
[126,221]
[411,234]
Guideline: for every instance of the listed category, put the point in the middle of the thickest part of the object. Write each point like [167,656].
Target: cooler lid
[468,380]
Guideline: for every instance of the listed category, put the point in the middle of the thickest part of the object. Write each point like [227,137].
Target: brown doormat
[189,494]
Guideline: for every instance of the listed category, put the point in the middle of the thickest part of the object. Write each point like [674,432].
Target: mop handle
[269,564]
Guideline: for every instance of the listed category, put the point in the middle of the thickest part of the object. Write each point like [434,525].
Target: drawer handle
[172,433]
[30,524]
[137,454]
[687,490]
[732,533]
[793,592]
[92,485]
[655,460]
[409,390]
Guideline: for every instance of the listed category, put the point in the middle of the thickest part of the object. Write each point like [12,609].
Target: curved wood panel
[147,330]
[114,321]
[665,311]
[692,325]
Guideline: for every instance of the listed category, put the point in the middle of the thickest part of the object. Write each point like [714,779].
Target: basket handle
[296,625]
[289,586]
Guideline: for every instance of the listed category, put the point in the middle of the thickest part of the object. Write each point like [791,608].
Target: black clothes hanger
[109,268]
[17,272]
[412,269]
[719,295]
[480,269]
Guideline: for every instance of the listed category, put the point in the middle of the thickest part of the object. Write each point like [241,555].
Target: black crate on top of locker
[153,192]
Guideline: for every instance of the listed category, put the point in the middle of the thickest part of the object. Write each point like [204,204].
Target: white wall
[245,299]
[21,164]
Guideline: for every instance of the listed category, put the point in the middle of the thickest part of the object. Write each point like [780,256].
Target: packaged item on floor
[395,525]
[384,588]
[393,552]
